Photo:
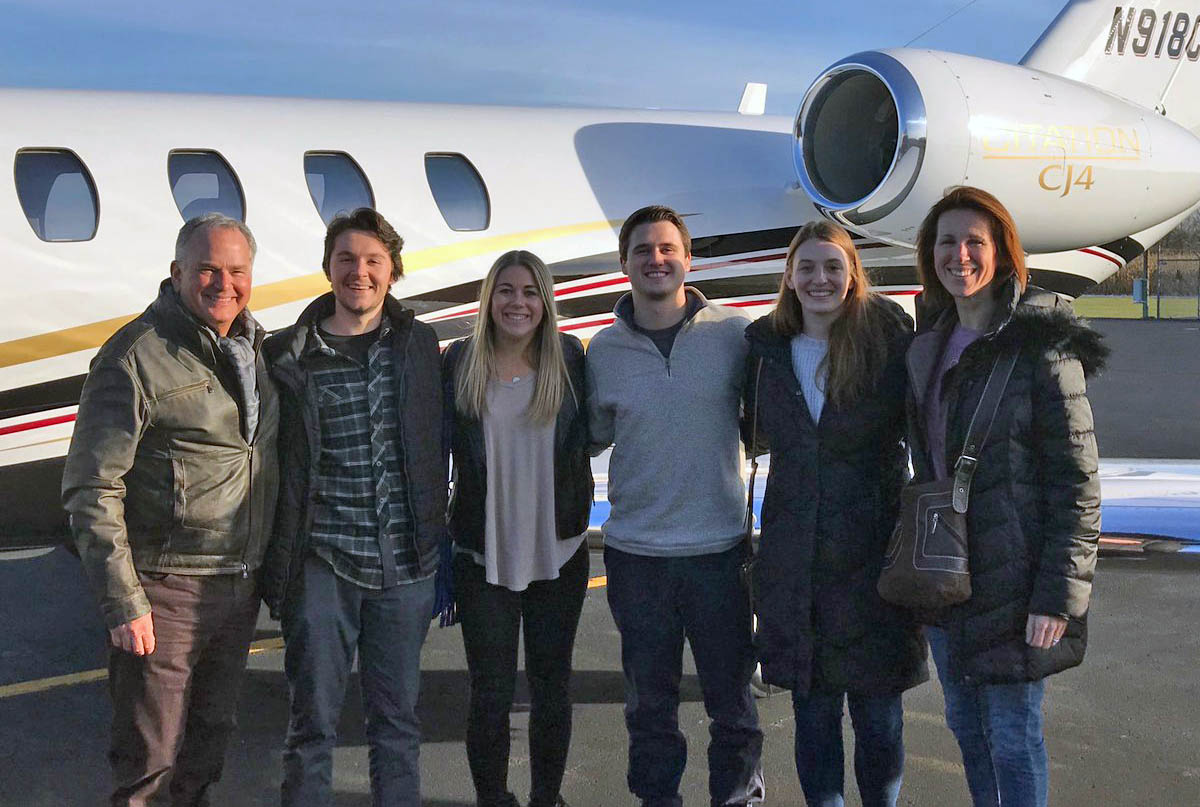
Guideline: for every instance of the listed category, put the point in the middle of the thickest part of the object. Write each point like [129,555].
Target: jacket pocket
[154,498]
[213,488]
[186,388]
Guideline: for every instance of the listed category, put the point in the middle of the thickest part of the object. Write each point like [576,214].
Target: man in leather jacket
[170,482]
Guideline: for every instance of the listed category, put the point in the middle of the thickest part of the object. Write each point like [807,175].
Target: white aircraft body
[1092,142]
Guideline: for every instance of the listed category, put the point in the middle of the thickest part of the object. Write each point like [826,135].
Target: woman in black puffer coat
[1034,511]
[824,392]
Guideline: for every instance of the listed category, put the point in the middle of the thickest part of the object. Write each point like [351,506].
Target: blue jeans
[999,729]
[656,602]
[878,748]
[324,623]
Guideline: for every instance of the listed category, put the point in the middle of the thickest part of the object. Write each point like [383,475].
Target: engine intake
[853,155]
[881,135]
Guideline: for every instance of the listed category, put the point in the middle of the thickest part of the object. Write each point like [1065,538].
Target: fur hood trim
[1050,326]
[1040,320]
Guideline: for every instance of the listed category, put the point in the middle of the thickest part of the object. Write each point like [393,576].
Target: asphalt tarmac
[1123,729]
[1147,402]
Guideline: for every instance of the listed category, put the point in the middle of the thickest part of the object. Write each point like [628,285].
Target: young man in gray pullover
[664,385]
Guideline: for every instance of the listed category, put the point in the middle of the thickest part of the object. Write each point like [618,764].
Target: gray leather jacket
[160,476]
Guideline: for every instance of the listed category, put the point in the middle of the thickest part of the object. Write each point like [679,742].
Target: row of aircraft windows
[60,200]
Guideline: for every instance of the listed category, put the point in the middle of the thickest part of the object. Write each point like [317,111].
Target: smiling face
[516,307]
[820,277]
[213,279]
[360,271]
[964,252]
[657,260]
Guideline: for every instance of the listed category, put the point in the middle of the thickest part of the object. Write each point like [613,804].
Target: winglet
[754,99]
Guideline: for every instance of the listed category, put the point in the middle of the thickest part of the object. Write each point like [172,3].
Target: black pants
[173,710]
[491,618]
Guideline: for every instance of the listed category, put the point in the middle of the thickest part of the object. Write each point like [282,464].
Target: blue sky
[672,54]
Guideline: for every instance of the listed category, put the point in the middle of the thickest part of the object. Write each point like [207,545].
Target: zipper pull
[935,521]
[245,571]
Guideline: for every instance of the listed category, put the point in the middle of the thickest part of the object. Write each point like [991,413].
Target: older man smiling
[170,482]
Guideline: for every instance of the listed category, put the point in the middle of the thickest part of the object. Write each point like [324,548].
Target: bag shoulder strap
[753,461]
[981,425]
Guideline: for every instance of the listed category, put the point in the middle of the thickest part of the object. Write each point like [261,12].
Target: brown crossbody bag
[925,566]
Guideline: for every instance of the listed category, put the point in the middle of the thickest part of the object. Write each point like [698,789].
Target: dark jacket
[1034,513]
[830,505]
[418,387]
[573,485]
[160,476]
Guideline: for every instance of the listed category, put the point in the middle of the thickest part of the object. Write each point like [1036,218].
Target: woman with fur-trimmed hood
[1034,512]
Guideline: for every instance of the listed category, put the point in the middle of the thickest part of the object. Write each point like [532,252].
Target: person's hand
[1044,631]
[136,636]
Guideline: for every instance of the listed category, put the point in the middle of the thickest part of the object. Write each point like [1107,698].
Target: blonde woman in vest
[518,517]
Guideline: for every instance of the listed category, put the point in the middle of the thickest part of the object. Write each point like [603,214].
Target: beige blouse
[521,542]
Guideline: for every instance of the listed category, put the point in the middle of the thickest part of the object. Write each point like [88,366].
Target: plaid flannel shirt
[362,524]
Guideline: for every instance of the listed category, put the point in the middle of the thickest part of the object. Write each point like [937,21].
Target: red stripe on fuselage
[617,281]
[36,424]
[1102,255]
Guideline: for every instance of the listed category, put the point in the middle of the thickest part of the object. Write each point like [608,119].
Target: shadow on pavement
[442,708]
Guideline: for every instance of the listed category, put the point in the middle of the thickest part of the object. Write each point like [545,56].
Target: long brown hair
[478,365]
[857,341]
[1010,256]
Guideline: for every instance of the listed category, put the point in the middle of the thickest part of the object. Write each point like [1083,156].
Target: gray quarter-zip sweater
[675,483]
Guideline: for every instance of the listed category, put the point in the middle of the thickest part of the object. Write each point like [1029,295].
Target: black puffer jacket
[416,363]
[1034,512]
[830,505]
[573,486]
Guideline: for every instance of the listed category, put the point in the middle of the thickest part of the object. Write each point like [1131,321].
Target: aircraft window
[202,182]
[336,183]
[57,194]
[459,191]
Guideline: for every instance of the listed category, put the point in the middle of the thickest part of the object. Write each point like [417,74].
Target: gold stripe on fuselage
[269,295]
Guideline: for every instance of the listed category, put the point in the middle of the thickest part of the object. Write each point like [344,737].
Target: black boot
[558,802]
[508,800]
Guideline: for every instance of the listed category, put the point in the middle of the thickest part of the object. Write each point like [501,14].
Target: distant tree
[1186,236]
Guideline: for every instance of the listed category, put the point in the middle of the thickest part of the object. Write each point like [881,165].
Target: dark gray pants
[173,710]
[326,620]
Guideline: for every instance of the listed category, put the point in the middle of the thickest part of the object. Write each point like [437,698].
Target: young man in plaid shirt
[362,507]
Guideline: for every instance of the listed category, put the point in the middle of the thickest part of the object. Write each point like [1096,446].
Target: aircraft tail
[1148,53]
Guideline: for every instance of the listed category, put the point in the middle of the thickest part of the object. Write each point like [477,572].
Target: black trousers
[491,619]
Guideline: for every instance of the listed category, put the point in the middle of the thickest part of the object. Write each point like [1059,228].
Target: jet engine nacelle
[881,135]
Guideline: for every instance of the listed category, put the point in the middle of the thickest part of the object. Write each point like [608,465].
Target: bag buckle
[960,494]
[965,465]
